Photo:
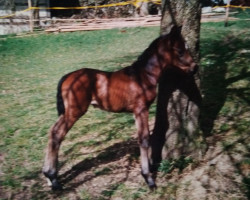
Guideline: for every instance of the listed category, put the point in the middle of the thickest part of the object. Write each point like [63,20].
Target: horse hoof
[56,185]
[149,180]
[152,185]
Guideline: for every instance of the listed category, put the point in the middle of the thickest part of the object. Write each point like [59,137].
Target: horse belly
[113,98]
[113,102]
[121,101]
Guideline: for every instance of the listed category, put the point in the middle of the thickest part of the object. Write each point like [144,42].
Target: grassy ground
[99,158]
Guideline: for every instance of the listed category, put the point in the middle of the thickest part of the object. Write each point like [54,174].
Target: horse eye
[180,52]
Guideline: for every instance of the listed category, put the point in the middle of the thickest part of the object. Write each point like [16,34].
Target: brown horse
[131,89]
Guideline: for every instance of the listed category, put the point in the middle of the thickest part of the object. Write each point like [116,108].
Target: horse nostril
[193,69]
[196,68]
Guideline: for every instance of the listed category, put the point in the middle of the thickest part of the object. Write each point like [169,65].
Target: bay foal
[131,89]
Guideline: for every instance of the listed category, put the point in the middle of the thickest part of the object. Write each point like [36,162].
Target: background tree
[10,4]
[176,131]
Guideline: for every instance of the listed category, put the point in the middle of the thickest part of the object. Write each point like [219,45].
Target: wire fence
[135,3]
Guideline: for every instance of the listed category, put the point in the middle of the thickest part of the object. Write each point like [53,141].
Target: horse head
[175,52]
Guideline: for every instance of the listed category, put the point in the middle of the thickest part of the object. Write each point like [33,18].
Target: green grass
[30,68]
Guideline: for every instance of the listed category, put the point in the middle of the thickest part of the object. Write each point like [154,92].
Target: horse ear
[179,29]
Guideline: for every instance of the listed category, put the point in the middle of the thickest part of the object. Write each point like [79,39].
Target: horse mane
[142,60]
[148,52]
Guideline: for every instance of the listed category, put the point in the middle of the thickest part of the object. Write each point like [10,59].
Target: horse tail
[60,104]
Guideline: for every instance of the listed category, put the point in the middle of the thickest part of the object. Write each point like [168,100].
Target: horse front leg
[56,136]
[141,119]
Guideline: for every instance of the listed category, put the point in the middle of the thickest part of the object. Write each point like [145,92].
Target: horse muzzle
[193,69]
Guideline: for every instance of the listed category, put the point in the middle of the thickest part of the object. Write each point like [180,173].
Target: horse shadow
[81,172]
[108,155]
[215,83]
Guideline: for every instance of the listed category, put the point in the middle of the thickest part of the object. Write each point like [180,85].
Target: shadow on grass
[110,154]
[117,151]
[226,64]
[214,81]
[40,190]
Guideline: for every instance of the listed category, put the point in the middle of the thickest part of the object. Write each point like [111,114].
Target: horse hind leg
[56,135]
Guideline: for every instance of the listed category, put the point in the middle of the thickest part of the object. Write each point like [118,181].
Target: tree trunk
[176,130]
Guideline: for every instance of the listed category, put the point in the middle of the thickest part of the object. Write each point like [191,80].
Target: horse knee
[144,142]
[56,137]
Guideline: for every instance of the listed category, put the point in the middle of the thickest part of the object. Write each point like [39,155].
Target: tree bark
[176,131]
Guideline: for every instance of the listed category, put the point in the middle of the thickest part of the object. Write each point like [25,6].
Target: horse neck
[153,61]
[152,69]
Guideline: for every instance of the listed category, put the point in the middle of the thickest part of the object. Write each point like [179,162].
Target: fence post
[227,13]
[31,16]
